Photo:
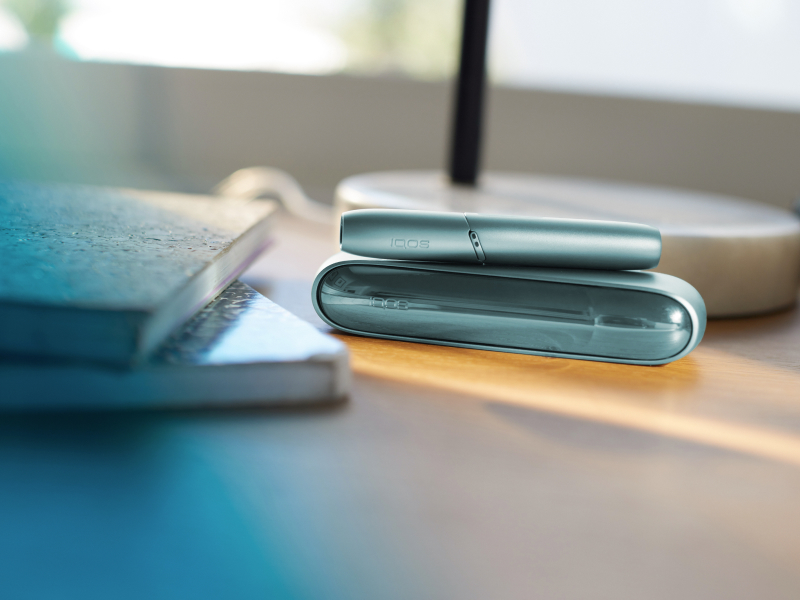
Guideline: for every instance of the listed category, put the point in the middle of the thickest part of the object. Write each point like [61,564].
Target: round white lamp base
[743,257]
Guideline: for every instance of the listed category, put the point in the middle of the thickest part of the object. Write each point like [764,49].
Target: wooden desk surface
[450,473]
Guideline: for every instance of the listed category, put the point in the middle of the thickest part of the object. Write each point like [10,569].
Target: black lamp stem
[465,146]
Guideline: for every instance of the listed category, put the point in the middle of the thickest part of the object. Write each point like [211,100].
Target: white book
[242,349]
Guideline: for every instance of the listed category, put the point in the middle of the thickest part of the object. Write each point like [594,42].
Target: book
[105,274]
[242,349]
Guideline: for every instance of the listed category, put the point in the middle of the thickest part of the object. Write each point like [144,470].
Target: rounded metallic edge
[694,340]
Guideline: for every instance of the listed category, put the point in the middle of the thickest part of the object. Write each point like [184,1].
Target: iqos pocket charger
[612,316]
[499,240]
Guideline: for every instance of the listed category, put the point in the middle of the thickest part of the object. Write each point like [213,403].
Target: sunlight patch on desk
[574,390]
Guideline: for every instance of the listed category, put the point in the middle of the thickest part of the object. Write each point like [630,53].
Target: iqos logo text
[388,303]
[412,244]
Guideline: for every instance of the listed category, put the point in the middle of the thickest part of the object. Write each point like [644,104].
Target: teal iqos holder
[614,316]
[499,240]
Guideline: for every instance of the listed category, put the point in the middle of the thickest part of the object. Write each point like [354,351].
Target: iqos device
[499,240]
[613,316]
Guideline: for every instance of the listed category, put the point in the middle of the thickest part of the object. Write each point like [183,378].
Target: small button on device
[476,245]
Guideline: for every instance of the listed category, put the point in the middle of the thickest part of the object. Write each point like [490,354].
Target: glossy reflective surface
[505,313]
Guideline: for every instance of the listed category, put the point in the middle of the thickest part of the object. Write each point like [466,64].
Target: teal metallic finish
[407,234]
[566,243]
[499,240]
[625,317]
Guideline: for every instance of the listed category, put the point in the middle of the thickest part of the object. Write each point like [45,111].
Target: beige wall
[184,128]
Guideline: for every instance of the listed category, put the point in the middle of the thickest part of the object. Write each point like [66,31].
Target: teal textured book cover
[106,274]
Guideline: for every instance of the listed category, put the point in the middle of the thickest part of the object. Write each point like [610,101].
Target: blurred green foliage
[409,37]
[39,17]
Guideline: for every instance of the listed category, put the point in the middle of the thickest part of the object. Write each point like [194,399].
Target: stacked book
[124,298]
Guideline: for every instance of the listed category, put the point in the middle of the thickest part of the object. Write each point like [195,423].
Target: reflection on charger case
[613,316]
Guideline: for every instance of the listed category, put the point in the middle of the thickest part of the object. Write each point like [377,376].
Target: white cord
[257,182]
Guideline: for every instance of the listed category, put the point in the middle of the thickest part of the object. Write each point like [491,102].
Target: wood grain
[447,474]
[739,390]
[678,400]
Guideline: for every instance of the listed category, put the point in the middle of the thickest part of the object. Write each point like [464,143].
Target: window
[722,51]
